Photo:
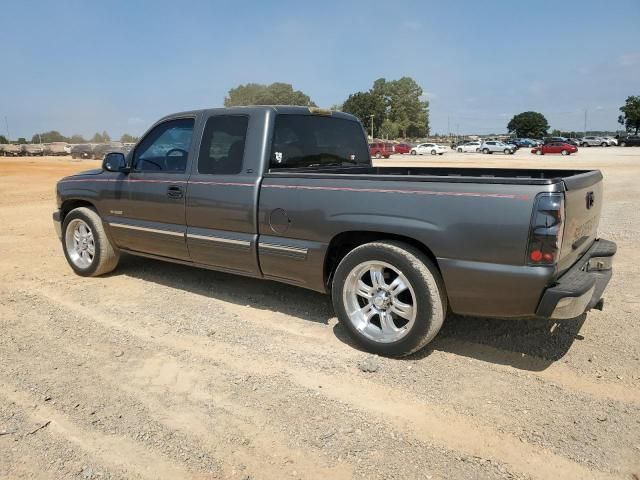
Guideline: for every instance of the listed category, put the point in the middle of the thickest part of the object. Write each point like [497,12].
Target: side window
[165,148]
[222,147]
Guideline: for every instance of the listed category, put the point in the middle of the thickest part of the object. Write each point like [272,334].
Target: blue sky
[80,67]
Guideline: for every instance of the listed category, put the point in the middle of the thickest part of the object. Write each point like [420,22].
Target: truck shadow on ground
[523,344]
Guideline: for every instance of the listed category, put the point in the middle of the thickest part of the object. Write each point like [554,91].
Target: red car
[379,149]
[555,147]
[403,148]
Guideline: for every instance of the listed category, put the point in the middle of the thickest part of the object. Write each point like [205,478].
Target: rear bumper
[57,224]
[581,287]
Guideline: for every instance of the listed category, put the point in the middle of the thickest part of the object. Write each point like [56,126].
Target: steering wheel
[167,156]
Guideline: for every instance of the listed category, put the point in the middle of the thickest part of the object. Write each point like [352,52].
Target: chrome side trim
[275,249]
[231,241]
[146,229]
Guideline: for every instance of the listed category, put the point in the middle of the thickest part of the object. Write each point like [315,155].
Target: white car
[611,141]
[470,147]
[430,148]
[493,146]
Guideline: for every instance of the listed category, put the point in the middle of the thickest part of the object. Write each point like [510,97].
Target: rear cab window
[301,141]
[223,143]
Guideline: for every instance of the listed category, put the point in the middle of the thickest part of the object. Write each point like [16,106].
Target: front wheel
[413,152]
[623,144]
[538,152]
[433,152]
[507,151]
[485,151]
[86,245]
[389,297]
[564,152]
[604,144]
[459,150]
[378,155]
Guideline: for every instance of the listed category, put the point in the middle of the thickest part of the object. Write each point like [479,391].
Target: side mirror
[115,162]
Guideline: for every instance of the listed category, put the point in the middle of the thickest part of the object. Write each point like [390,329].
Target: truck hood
[93,171]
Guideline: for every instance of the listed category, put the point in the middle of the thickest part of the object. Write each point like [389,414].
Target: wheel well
[344,242]
[69,205]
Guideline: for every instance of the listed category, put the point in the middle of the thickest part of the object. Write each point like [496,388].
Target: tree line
[55,136]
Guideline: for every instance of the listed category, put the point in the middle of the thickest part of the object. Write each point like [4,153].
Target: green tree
[21,141]
[396,105]
[528,125]
[100,137]
[48,137]
[556,133]
[365,104]
[630,117]
[3,140]
[389,129]
[126,138]
[274,94]
[77,139]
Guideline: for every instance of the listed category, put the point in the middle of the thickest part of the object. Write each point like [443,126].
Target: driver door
[152,214]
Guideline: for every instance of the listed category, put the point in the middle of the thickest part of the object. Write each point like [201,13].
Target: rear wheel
[433,152]
[459,150]
[564,152]
[485,151]
[623,144]
[86,245]
[586,145]
[538,152]
[389,297]
[378,155]
[413,152]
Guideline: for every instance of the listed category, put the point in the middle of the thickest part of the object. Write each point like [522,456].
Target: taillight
[545,233]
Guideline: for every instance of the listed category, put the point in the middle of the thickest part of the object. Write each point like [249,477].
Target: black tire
[413,152]
[433,152]
[106,256]
[604,144]
[507,151]
[459,150]
[378,155]
[485,151]
[585,145]
[623,144]
[539,152]
[565,152]
[430,296]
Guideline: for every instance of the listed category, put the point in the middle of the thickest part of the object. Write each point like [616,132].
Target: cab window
[223,142]
[166,148]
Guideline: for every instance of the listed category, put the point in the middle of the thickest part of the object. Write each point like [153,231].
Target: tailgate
[583,204]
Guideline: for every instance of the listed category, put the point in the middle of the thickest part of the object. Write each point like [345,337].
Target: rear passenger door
[222,197]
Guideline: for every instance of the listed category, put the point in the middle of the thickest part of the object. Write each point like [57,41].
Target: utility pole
[585,122]
[448,129]
[6,122]
[372,126]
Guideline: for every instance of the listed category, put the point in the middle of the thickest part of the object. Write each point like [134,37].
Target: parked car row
[83,150]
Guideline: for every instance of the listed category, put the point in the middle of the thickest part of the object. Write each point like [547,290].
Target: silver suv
[496,146]
[593,142]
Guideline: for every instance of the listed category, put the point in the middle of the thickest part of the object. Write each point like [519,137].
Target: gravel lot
[165,371]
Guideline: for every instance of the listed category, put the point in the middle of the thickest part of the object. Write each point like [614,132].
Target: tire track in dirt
[446,428]
[114,451]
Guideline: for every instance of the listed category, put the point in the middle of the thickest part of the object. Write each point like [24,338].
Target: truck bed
[514,176]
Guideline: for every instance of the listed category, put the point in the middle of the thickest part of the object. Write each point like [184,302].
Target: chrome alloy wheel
[380,301]
[80,244]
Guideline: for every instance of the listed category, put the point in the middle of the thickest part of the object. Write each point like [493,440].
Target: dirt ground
[160,371]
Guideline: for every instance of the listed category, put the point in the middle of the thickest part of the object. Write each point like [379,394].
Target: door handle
[174,191]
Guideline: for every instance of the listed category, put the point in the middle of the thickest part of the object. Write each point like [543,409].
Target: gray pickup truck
[290,194]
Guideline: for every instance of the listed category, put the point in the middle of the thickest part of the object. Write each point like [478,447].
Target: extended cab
[290,194]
